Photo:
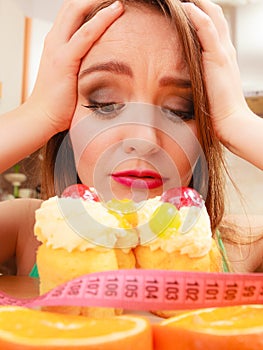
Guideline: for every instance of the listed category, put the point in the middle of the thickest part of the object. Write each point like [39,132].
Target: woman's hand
[55,92]
[222,74]
[235,125]
[50,107]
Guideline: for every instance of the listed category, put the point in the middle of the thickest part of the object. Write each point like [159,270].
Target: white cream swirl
[193,236]
[72,223]
[78,224]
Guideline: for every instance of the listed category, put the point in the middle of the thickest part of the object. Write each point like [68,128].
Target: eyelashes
[110,110]
[177,115]
[107,110]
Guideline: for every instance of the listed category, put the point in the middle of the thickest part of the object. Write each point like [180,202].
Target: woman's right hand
[54,95]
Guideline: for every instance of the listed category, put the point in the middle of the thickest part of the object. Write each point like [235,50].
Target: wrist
[244,138]
[40,122]
[234,129]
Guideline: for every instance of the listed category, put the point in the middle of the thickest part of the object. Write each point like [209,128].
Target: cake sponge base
[57,266]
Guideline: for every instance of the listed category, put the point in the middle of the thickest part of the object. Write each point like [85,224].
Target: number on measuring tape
[140,289]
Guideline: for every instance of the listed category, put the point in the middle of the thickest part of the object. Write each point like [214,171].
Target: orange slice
[22,328]
[228,328]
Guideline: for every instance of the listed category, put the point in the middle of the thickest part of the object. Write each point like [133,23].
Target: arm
[17,240]
[243,240]
[51,105]
[236,126]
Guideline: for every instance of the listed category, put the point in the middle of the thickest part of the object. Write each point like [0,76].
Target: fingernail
[116,5]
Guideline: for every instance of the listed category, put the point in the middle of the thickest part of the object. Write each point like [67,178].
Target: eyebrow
[118,67]
[111,66]
[178,82]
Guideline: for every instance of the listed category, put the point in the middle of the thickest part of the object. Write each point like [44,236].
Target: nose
[141,141]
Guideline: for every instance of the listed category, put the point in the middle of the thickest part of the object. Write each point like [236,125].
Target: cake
[79,236]
[175,234]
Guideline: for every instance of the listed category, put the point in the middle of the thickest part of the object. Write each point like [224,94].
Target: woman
[140,46]
[135,64]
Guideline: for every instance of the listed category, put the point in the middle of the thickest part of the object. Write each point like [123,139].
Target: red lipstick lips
[138,178]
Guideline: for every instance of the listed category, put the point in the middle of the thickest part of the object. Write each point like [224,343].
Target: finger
[205,28]
[216,14]
[84,38]
[70,18]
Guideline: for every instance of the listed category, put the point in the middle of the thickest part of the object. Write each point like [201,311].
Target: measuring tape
[151,290]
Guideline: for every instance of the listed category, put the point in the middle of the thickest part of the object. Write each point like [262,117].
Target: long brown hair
[209,171]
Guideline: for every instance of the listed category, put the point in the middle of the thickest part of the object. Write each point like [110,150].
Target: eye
[106,110]
[178,116]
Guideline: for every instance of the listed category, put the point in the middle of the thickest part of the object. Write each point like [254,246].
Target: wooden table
[19,286]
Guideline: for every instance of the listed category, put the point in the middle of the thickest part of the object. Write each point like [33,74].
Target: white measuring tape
[151,290]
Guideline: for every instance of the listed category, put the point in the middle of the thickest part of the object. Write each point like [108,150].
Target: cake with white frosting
[177,237]
[81,236]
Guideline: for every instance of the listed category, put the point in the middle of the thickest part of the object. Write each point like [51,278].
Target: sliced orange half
[225,328]
[22,328]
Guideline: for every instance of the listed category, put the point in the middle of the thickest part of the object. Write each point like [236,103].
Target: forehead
[141,30]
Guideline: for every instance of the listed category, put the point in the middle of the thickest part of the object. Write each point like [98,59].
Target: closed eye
[107,110]
[178,115]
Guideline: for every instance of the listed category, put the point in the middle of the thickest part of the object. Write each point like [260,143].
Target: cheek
[184,150]
[93,159]
[87,140]
[86,163]
[79,114]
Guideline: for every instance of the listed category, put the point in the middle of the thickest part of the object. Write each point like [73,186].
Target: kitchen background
[23,26]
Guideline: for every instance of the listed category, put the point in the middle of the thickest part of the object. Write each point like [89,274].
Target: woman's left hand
[222,76]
